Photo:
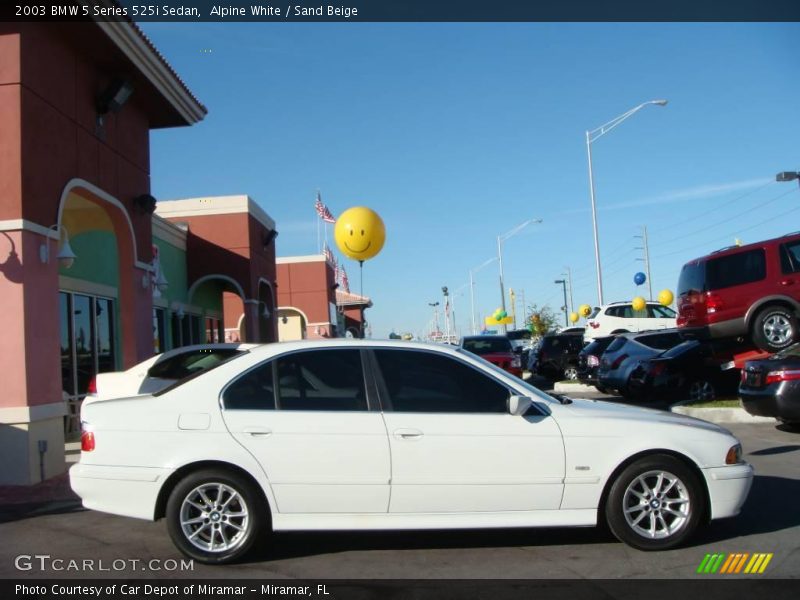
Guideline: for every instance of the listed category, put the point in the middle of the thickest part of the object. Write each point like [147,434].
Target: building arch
[215,276]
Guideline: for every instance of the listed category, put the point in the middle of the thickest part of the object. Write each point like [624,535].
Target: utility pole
[646,260]
[568,275]
[524,309]
[435,306]
[563,283]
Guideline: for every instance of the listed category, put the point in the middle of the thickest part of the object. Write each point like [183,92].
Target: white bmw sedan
[352,434]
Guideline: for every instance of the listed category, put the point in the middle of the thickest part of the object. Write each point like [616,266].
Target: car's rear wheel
[571,373]
[656,503]
[774,328]
[701,390]
[214,516]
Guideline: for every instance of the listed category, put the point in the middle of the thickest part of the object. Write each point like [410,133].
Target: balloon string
[361,293]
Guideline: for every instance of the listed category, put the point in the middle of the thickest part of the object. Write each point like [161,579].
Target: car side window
[418,381]
[660,312]
[324,380]
[252,391]
[790,257]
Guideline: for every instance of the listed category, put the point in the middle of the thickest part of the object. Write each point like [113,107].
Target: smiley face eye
[362,232]
[351,232]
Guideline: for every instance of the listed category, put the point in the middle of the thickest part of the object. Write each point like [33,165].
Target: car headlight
[734,455]
[515,362]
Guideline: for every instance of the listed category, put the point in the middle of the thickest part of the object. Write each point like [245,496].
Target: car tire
[213,533]
[601,389]
[774,328]
[571,373]
[701,390]
[655,503]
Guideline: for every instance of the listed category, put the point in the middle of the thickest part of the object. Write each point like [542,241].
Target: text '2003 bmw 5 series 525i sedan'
[353,434]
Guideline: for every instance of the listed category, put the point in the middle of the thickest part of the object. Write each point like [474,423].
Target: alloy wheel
[701,391]
[214,517]
[656,505]
[777,329]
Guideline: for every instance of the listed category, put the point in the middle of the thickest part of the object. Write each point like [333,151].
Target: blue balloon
[639,278]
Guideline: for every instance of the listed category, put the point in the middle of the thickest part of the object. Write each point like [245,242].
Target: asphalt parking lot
[770,522]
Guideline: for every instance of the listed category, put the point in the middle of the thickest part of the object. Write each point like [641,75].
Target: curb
[722,415]
[562,386]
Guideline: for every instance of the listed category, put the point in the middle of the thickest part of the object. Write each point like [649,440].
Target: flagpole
[319,244]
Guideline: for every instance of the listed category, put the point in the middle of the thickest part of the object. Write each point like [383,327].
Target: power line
[729,219]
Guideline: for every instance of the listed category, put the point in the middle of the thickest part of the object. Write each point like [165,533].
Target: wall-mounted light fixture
[269,237]
[66,257]
[158,280]
[112,98]
[265,312]
[144,204]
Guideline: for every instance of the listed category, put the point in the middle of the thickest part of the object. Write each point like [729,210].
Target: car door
[305,416]
[455,447]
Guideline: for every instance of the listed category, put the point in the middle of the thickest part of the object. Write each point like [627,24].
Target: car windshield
[688,346]
[487,345]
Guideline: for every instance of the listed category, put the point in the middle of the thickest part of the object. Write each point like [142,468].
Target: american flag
[322,210]
[345,281]
[329,256]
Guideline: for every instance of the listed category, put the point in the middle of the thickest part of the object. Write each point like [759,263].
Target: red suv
[745,290]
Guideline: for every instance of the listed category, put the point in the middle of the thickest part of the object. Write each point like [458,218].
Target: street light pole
[563,283]
[500,239]
[472,289]
[646,249]
[591,136]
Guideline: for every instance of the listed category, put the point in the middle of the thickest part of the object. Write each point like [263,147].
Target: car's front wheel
[701,390]
[214,516]
[656,503]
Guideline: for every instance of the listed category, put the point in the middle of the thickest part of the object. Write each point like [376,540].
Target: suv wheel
[656,503]
[774,328]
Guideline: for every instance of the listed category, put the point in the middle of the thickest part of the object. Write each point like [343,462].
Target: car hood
[589,411]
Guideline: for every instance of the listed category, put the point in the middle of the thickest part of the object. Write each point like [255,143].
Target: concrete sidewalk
[51,495]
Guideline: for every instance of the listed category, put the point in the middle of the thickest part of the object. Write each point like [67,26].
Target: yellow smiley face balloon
[359,233]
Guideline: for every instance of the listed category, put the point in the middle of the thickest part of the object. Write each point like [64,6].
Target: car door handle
[407,434]
[787,281]
[258,431]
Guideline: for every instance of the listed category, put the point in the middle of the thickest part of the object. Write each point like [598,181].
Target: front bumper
[126,491]
[728,488]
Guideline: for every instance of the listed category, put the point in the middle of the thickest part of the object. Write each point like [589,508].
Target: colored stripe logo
[734,564]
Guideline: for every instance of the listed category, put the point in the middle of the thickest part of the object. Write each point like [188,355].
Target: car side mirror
[519,405]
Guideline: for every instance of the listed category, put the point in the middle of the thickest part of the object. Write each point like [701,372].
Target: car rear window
[692,278]
[598,346]
[519,334]
[487,345]
[688,346]
[594,313]
[189,363]
[618,343]
[659,341]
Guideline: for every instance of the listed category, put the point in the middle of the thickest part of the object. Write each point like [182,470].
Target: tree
[541,321]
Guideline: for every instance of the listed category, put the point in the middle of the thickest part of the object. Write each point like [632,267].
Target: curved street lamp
[591,136]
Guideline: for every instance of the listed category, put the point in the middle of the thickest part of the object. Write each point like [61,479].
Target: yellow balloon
[639,303]
[359,233]
[665,297]
[585,310]
[573,316]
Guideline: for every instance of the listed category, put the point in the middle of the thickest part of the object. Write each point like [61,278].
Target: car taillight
[592,360]
[91,389]
[618,361]
[516,362]
[658,368]
[594,324]
[713,303]
[87,441]
[788,375]
[743,376]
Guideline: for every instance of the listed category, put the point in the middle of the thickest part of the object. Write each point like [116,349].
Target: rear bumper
[781,400]
[728,488]
[126,491]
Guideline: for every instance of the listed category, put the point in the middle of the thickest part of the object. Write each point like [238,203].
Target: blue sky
[456,133]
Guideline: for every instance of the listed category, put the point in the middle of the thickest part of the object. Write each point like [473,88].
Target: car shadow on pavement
[771,506]
[302,544]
